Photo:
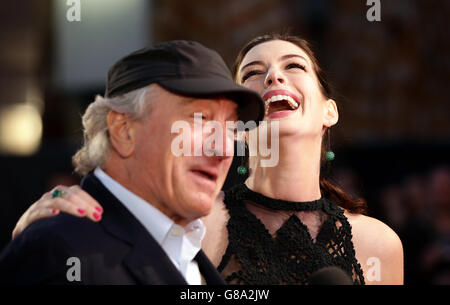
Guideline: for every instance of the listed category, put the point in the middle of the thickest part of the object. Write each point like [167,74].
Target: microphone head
[330,276]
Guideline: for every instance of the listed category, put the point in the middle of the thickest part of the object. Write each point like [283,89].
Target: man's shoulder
[60,235]
[43,251]
[39,253]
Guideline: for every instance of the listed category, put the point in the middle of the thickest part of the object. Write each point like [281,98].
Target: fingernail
[96,216]
[54,211]
[81,211]
[99,209]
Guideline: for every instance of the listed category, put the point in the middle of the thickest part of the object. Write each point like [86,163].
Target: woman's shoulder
[372,230]
[218,213]
[216,237]
[378,249]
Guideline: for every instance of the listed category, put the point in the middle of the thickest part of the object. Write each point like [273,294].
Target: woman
[285,222]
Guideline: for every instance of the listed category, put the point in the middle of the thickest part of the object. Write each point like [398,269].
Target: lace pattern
[287,253]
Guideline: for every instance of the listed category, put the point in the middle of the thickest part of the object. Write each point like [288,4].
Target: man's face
[183,187]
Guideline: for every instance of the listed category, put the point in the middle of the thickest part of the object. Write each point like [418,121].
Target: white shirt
[180,244]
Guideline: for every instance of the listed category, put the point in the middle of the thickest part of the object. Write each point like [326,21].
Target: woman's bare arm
[378,249]
[74,201]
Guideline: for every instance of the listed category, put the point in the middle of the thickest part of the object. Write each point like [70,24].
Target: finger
[62,204]
[70,203]
[75,196]
[70,194]
[96,207]
[43,213]
[49,194]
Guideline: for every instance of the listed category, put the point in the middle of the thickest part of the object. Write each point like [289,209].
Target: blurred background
[392,142]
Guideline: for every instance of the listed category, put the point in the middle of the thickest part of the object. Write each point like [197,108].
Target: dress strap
[244,193]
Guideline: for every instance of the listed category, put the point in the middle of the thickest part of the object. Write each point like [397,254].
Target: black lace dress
[280,242]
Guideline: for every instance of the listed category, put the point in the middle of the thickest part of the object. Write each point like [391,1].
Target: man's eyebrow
[233,117]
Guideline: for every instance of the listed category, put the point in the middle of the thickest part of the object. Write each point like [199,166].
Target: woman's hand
[74,201]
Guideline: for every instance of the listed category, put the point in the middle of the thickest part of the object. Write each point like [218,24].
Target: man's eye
[232,133]
[296,66]
[249,74]
[198,116]
[232,130]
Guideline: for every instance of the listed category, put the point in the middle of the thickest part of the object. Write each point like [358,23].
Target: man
[150,232]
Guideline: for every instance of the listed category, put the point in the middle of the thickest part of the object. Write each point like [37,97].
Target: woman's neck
[297,175]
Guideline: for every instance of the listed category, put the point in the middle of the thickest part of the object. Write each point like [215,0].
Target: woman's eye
[249,74]
[296,66]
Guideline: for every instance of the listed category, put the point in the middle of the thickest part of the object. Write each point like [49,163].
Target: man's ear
[330,112]
[120,133]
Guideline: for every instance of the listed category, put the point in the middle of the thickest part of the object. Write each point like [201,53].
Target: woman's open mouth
[280,103]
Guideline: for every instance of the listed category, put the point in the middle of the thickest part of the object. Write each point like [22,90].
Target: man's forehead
[198,103]
[212,102]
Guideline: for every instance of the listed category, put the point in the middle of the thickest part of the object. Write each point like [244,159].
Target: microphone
[330,276]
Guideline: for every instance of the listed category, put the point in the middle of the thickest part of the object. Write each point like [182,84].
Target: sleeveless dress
[269,244]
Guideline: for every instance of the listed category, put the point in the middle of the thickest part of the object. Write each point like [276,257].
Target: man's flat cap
[185,68]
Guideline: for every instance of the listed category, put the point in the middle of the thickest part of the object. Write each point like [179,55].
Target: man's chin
[204,202]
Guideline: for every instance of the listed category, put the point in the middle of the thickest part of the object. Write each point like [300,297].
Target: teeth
[276,98]
[291,102]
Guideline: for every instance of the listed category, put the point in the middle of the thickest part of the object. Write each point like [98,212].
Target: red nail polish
[96,216]
[54,211]
[99,209]
[81,211]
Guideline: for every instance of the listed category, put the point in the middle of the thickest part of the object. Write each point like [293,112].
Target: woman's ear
[120,133]
[331,115]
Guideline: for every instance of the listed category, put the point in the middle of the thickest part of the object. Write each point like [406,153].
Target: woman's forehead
[273,50]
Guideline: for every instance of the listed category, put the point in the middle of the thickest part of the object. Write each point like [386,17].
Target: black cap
[186,68]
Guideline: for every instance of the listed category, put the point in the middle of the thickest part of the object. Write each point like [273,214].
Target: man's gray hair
[95,130]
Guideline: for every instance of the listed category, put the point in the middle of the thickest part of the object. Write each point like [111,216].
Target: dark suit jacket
[116,250]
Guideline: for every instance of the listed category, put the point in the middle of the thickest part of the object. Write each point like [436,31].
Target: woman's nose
[273,77]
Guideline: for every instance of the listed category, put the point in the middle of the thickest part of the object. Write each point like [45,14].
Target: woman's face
[282,73]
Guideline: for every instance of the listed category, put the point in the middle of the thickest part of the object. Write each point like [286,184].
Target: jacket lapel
[146,260]
[207,269]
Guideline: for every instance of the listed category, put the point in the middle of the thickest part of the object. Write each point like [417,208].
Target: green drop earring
[243,169]
[329,155]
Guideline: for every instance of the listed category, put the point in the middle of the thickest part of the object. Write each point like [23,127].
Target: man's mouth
[205,179]
[207,174]
[276,101]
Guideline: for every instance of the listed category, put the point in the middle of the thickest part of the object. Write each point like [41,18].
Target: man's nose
[273,77]
[222,149]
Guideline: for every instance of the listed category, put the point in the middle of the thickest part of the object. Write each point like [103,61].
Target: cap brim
[250,104]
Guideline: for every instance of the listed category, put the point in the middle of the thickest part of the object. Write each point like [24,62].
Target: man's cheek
[225,167]
[229,146]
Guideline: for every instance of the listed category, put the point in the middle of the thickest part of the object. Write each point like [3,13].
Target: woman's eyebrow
[284,57]
[287,56]
[256,62]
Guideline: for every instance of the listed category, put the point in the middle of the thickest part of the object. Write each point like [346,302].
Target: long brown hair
[328,189]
